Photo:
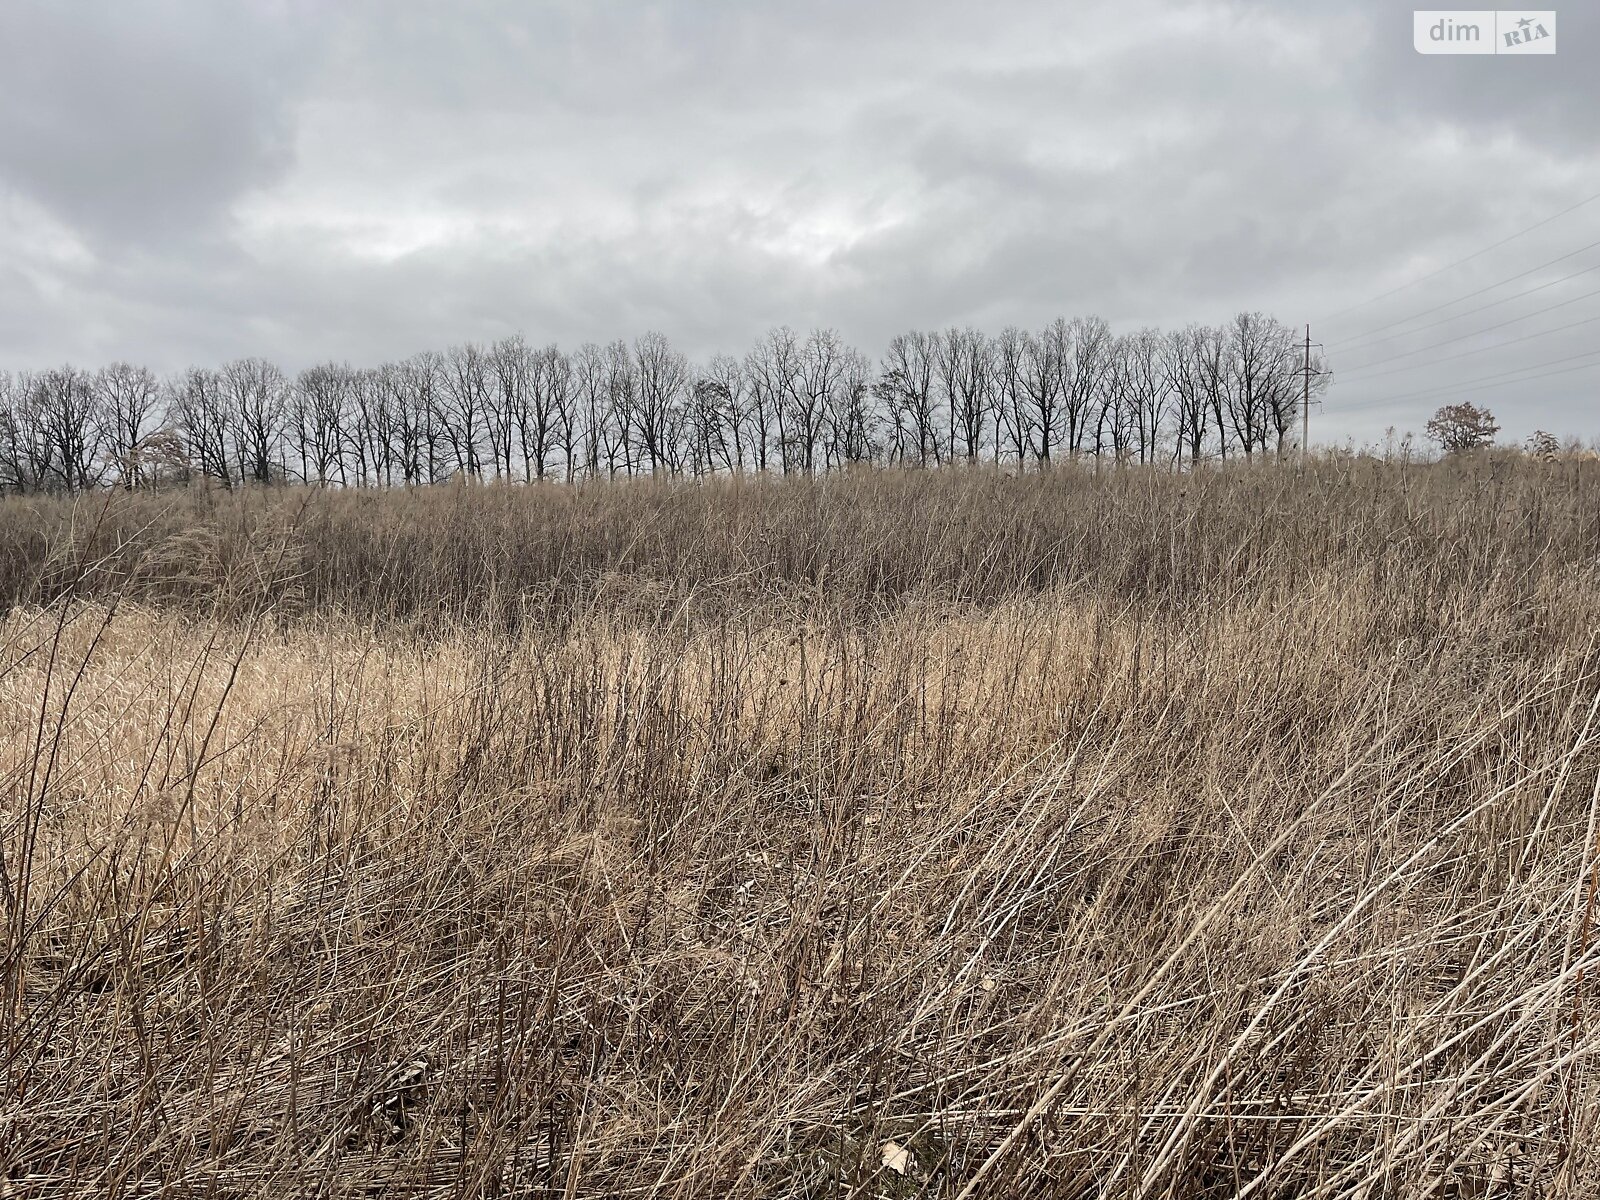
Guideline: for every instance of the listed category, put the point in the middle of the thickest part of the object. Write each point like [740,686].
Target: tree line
[793,403]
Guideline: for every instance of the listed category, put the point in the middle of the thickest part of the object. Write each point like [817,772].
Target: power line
[1477,332]
[1502,377]
[1470,295]
[1367,404]
[1496,303]
[1480,350]
[1452,266]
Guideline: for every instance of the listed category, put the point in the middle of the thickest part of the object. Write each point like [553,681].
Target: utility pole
[1305,406]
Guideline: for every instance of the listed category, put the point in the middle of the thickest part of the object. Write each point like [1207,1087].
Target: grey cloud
[138,121]
[370,179]
[1549,102]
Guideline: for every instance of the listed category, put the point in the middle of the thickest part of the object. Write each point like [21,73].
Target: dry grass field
[957,834]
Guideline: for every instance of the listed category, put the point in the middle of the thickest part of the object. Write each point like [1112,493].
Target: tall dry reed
[945,835]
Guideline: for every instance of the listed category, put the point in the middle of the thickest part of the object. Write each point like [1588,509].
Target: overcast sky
[192,182]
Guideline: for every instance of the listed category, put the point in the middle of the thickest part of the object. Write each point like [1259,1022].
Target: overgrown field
[942,834]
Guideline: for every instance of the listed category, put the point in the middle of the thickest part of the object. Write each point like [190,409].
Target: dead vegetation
[891,835]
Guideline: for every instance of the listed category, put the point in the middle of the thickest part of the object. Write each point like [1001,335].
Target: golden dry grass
[1247,847]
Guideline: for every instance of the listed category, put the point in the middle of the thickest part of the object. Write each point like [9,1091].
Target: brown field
[885,835]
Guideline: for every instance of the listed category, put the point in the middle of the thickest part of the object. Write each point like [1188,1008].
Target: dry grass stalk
[1243,844]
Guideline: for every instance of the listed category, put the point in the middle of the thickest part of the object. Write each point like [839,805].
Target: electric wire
[1477,332]
[1460,261]
[1502,377]
[1369,404]
[1389,329]
[1481,350]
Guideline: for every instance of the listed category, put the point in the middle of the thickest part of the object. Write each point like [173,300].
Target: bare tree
[554,422]
[127,397]
[26,450]
[407,420]
[895,417]
[1041,383]
[812,403]
[1212,366]
[1015,429]
[69,416]
[822,365]
[203,420]
[725,385]
[509,408]
[663,376]
[772,369]
[1282,381]
[463,401]
[14,475]
[1180,364]
[591,379]
[316,412]
[702,420]
[1146,388]
[909,369]
[1081,351]
[968,374]
[1112,404]
[1258,348]
[255,394]
[378,420]
[361,419]
[850,421]
[622,403]
[422,377]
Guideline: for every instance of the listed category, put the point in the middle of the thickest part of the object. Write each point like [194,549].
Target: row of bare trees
[793,403]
